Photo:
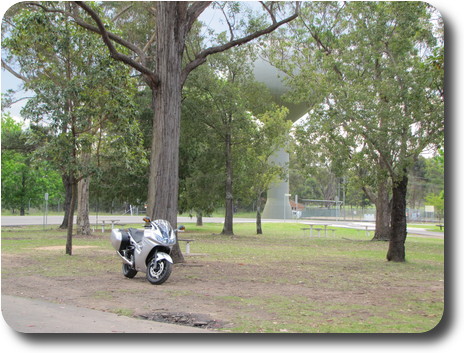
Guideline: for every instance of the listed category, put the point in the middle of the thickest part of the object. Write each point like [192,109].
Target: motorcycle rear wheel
[127,270]
[158,271]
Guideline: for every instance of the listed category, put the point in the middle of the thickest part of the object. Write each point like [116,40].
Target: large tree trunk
[228,228]
[396,249]
[382,202]
[82,222]
[382,213]
[164,163]
[67,200]
[174,20]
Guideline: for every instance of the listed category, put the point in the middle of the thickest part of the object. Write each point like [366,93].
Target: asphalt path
[55,220]
[27,315]
[127,219]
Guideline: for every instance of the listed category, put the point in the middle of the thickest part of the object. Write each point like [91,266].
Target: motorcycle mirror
[181,228]
[147,219]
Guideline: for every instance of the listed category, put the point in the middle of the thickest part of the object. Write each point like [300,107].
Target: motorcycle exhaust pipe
[126,261]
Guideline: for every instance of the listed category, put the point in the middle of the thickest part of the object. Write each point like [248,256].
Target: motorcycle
[146,250]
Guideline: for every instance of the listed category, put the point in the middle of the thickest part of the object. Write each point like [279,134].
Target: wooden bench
[440,225]
[187,244]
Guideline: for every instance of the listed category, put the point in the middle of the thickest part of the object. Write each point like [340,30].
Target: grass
[355,265]
[429,227]
[351,285]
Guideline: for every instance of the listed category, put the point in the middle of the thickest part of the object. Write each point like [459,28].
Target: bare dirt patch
[301,296]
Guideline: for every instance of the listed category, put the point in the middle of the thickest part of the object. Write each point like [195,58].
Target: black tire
[127,270]
[158,272]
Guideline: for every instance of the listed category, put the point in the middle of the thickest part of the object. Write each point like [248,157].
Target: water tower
[277,204]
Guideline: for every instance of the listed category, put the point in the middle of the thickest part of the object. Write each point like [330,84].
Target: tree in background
[231,109]
[271,134]
[164,64]
[78,90]
[201,153]
[365,71]
[25,180]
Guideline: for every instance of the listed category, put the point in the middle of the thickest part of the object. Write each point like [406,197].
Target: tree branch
[269,11]
[124,10]
[13,72]
[200,58]
[151,76]
[194,11]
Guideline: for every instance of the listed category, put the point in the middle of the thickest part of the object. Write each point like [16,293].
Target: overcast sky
[212,18]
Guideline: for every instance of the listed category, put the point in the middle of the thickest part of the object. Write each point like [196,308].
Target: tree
[271,133]
[230,97]
[25,180]
[438,202]
[77,91]
[364,71]
[201,153]
[435,172]
[230,128]
[165,73]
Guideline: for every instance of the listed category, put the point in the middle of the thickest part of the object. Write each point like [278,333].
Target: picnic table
[367,229]
[113,221]
[318,230]
[187,244]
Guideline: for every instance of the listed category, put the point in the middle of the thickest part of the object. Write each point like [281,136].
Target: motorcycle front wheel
[158,271]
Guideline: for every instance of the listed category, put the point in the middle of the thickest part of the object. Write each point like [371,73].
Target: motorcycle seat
[136,234]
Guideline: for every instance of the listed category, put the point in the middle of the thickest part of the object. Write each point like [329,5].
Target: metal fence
[364,214]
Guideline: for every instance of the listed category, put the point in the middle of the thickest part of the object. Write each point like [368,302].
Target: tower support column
[277,204]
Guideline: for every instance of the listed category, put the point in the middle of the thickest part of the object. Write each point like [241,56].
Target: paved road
[37,316]
[54,220]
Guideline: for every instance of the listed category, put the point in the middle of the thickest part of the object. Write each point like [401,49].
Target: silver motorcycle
[146,250]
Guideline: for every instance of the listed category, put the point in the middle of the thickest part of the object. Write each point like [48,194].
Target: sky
[210,17]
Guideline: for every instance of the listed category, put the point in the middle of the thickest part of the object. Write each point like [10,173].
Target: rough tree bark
[199,219]
[164,163]
[228,228]
[67,200]
[70,217]
[396,249]
[82,220]
[381,200]
[382,214]
[259,228]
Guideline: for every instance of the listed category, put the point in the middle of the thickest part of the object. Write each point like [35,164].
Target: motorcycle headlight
[165,234]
